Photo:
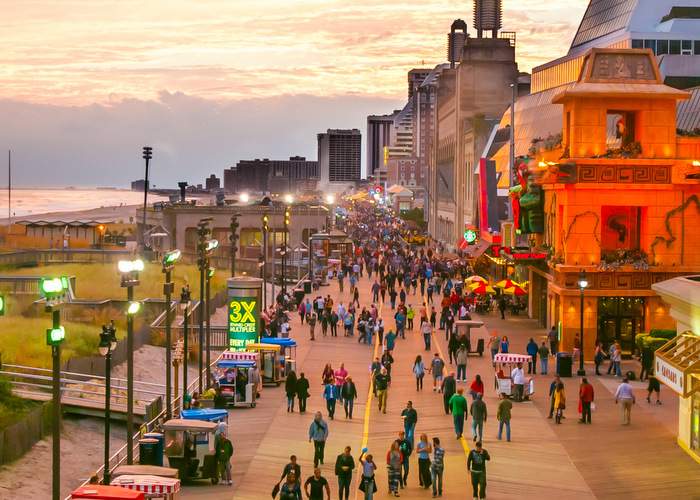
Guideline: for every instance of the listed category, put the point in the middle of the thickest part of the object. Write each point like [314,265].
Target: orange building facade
[620,199]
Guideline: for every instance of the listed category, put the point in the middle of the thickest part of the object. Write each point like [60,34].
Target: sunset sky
[116,74]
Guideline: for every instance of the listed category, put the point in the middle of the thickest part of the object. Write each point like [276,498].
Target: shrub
[663,334]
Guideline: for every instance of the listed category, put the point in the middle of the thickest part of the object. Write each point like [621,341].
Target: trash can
[148,450]
[160,448]
[564,362]
[307,286]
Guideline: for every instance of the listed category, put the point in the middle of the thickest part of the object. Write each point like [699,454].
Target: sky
[84,84]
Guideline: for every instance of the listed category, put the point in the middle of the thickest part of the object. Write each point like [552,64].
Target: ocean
[29,202]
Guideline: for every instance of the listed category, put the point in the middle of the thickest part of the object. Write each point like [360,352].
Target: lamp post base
[581,372]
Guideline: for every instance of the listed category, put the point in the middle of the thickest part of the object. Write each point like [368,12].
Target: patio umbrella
[476,279]
[515,290]
[507,283]
[483,289]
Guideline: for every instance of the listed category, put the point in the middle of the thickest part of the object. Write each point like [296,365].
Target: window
[661,47]
[620,129]
[687,47]
[650,44]
[620,228]
[674,47]
[697,47]
[637,44]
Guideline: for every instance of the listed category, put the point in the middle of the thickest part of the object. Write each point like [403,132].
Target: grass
[11,407]
[102,281]
[23,340]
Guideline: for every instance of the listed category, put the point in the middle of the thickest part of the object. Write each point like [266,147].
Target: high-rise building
[212,182]
[339,156]
[274,176]
[378,137]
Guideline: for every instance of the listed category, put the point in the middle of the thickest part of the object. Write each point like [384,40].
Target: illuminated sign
[243,321]
[669,375]
[470,236]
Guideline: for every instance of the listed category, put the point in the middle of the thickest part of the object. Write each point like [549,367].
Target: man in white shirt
[518,377]
[341,311]
[625,396]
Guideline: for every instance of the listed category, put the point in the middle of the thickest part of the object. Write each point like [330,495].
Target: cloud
[192,137]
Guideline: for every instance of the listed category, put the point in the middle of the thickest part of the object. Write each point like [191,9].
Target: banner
[243,321]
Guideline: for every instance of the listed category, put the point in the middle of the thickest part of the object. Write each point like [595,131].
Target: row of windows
[661,47]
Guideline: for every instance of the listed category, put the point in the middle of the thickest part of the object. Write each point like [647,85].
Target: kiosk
[270,367]
[288,351]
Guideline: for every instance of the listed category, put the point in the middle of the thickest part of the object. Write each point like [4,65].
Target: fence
[51,256]
[18,438]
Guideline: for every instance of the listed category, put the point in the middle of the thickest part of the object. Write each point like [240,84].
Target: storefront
[677,363]
[620,319]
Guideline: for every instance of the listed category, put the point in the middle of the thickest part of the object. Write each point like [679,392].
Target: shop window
[674,47]
[620,129]
[696,44]
[687,47]
[621,228]
[661,47]
[650,44]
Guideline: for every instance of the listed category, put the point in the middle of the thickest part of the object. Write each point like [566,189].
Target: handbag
[362,484]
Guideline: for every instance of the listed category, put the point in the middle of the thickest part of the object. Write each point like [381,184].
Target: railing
[29,285]
[24,257]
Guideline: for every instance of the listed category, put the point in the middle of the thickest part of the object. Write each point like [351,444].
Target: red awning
[101,492]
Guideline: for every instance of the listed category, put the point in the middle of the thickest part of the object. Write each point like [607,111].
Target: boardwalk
[543,460]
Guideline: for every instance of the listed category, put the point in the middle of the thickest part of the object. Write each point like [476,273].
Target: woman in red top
[476,387]
[328,376]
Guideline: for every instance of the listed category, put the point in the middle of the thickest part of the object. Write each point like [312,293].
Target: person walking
[290,388]
[348,393]
[437,367]
[553,337]
[652,387]
[291,468]
[625,396]
[339,376]
[617,360]
[458,406]
[344,465]
[518,377]
[476,387]
[318,433]
[381,380]
[394,459]
[552,388]
[327,377]
[504,345]
[599,356]
[410,315]
[452,348]
[315,485]
[532,350]
[406,448]
[419,372]
[449,387]
[427,332]
[437,467]
[368,485]
[410,418]
[302,391]
[461,358]
[543,352]
[311,321]
[503,415]
[586,396]
[559,402]
[476,463]
[479,414]
[224,452]
[291,490]
[329,394]
[423,450]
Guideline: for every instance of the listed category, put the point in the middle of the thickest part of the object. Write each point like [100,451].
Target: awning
[677,364]
[150,485]
[476,251]
[512,358]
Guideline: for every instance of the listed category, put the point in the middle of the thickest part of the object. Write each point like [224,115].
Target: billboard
[243,322]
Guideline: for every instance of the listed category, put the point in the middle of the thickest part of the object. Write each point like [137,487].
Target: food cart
[145,470]
[189,447]
[206,414]
[270,367]
[288,351]
[464,327]
[237,394]
[98,491]
[150,486]
[504,364]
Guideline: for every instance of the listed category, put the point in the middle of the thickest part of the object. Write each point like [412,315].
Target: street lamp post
[209,276]
[263,271]
[233,238]
[53,291]
[330,201]
[185,303]
[169,261]
[287,221]
[147,155]
[582,284]
[108,343]
[202,264]
[129,270]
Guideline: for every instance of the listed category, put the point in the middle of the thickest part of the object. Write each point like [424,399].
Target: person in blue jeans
[367,483]
[503,416]
[437,467]
[458,406]
[478,413]
[410,418]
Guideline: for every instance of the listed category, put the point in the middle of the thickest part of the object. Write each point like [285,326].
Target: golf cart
[189,447]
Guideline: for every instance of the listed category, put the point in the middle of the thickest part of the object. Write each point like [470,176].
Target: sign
[243,321]
[669,375]
[470,236]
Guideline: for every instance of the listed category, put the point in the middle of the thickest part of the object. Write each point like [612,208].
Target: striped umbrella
[476,279]
[515,290]
[483,289]
[507,283]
